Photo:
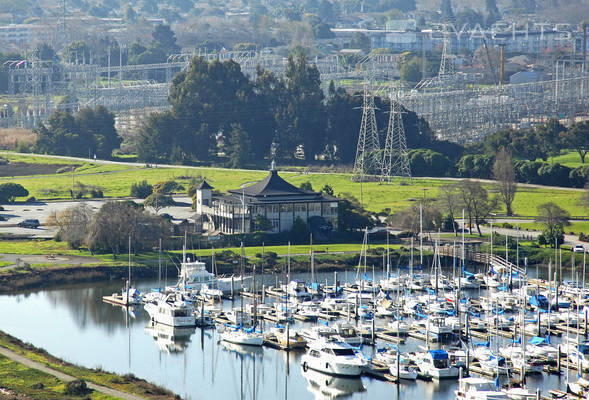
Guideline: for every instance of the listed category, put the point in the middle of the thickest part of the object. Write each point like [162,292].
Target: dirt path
[64,377]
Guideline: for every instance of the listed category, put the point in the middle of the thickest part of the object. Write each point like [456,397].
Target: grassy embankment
[39,385]
[115,180]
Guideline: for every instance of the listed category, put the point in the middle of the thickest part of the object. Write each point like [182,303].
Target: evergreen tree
[239,147]
[446,11]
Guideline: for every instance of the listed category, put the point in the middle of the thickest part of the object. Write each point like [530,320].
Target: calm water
[74,324]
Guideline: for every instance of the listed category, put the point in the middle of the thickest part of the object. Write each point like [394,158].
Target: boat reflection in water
[243,350]
[325,386]
[170,339]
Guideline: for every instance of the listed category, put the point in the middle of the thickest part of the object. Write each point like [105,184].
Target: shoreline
[44,367]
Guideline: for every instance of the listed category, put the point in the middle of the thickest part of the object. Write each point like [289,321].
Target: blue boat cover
[439,354]
[537,340]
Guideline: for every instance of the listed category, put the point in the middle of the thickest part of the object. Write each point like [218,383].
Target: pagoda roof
[204,185]
[271,185]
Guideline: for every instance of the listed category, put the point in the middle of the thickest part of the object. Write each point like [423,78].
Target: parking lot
[15,213]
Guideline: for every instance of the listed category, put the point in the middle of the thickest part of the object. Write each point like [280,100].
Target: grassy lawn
[127,383]
[116,180]
[294,249]
[576,226]
[36,384]
[571,159]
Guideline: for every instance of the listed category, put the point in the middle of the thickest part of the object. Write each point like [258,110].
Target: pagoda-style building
[273,198]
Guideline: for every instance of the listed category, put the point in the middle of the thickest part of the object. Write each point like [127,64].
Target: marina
[186,358]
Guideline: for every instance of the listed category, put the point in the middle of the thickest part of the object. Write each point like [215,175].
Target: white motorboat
[347,333]
[241,336]
[319,332]
[389,358]
[170,311]
[436,364]
[478,389]
[293,340]
[577,354]
[332,358]
[519,393]
[540,347]
[580,388]
[398,327]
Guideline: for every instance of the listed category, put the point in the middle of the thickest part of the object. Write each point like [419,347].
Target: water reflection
[326,387]
[169,339]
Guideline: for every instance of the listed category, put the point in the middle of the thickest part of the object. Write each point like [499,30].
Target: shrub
[76,388]
[141,189]
[96,193]
[63,169]
[3,161]
[31,199]
[167,187]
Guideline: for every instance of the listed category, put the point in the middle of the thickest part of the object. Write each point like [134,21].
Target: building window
[286,207]
[275,224]
[273,208]
[300,207]
[314,207]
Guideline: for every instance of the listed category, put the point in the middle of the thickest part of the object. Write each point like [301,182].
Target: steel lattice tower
[395,160]
[368,161]
[446,63]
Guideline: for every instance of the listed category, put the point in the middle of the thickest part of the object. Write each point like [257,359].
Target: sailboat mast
[312,258]
[421,234]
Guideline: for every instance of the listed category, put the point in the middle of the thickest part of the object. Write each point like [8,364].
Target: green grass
[571,159]
[294,249]
[128,384]
[576,226]
[528,199]
[116,181]
[36,384]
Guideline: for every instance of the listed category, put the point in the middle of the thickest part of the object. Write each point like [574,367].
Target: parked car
[29,223]
[579,249]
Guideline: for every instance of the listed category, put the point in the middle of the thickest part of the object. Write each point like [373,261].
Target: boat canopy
[439,354]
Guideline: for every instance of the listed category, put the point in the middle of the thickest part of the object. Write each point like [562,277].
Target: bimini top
[439,354]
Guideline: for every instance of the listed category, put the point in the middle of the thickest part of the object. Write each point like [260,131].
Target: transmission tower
[447,62]
[367,161]
[395,159]
[61,39]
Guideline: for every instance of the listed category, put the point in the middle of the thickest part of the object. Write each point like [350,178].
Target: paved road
[64,377]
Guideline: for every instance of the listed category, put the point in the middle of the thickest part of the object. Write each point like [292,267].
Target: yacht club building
[273,198]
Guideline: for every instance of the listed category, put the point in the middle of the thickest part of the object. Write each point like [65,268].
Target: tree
[141,189]
[305,111]
[98,124]
[327,189]
[77,52]
[408,218]
[10,191]
[306,186]
[167,187]
[446,11]
[554,219]
[261,223]
[129,14]
[45,52]
[577,137]
[449,201]
[351,214]
[73,223]
[157,201]
[504,174]
[163,35]
[549,136]
[360,41]
[239,147]
[410,70]
[476,202]
[115,222]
